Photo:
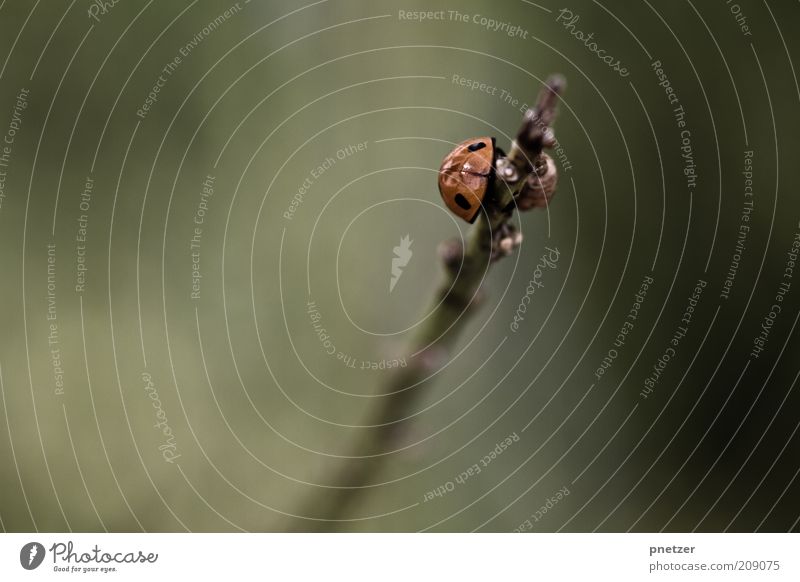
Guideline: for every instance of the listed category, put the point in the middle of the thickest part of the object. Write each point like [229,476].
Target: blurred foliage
[258,409]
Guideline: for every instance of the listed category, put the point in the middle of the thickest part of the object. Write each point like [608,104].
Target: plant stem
[454,301]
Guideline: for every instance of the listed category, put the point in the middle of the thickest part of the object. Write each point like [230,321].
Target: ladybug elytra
[465,174]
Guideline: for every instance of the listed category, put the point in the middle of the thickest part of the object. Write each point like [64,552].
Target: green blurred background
[260,414]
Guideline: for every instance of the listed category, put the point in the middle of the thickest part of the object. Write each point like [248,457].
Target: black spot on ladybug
[462,202]
[474,147]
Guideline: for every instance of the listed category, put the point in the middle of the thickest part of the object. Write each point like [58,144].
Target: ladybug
[465,175]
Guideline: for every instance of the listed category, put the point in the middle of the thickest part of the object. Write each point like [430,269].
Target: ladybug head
[465,175]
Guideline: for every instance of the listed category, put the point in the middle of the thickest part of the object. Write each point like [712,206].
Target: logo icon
[402,255]
[31,555]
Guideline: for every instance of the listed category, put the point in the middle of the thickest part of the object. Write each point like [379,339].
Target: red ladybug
[465,176]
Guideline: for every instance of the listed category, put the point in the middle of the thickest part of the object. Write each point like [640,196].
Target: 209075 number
[748,565]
